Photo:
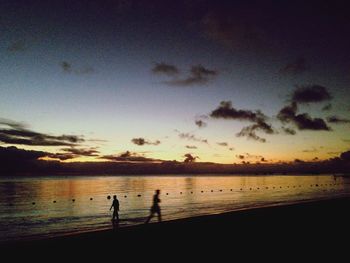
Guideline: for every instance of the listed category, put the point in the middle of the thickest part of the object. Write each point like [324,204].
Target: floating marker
[180,193]
[54,201]
[240,189]
[138,195]
[202,191]
[211,191]
[231,190]
[266,187]
[125,196]
[191,192]
[220,190]
[33,203]
[167,193]
[91,198]
[73,200]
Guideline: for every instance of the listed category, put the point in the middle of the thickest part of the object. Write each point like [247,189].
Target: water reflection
[27,205]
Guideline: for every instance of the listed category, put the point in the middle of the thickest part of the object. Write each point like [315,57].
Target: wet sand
[320,224]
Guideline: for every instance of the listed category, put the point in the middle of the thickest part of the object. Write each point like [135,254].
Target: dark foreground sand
[318,227]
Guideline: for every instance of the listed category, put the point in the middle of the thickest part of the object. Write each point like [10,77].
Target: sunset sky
[211,81]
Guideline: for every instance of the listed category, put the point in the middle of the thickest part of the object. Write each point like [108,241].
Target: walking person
[155,209]
[115,206]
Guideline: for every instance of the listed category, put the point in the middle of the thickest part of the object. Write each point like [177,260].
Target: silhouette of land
[297,226]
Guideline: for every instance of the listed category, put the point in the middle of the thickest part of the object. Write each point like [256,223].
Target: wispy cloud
[190,137]
[142,141]
[16,133]
[129,157]
[310,94]
[167,69]
[295,67]
[337,120]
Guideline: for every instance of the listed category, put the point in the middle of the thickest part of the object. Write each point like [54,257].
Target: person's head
[114,197]
[157,191]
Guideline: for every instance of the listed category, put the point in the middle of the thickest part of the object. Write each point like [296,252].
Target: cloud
[17,46]
[296,67]
[327,107]
[18,134]
[288,114]
[345,156]
[191,147]
[82,151]
[226,111]
[231,149]
[200,123]
[129,157]
[337,120]
[198,75]
[68,68]
[167,69]
[13,154]
[310,94]
[141,141]
[189,158]
[224,144]
[288,131]
[249,132]
[190,137]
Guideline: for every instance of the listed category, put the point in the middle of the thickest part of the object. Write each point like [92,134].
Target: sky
[206,81]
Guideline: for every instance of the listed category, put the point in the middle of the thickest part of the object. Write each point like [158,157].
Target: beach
[322,223]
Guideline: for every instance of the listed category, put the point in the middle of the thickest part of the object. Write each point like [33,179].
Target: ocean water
[38,207]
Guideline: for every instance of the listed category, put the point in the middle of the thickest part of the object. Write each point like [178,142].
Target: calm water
[28,210]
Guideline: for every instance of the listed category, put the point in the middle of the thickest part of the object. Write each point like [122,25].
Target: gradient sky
[111,71]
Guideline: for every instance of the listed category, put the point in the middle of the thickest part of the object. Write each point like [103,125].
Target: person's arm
[117,205]
[111,206]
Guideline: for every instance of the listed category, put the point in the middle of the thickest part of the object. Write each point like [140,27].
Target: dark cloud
[141,141]
[226,111]
[61,156]
[311,94]
[249,132]
[345,156]
[167,69]
[200,123]
[288,114]
[17,134]
[129,157]
[68,68]
[327,107]
[231,149]
[198,75]
[337,120]
[224,144]
[82,151]
[189,158]
[191,147]
[12,153]
[17,46]
[190,137]
[288,131]
[296,67]
[240,156]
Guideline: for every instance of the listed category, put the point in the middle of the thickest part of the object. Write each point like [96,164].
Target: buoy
[91,198]
[258,188]
[231,190]
[138,195]
[220,190]
[240,189]
[73,200]
[180,193]
[54,201]
[167,193]
[250,188]
[125,196]
[33,203]
[211,191]
[202,191]
[266,187]
[191,192]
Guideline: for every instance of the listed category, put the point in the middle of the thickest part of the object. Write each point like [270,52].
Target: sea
[49,206]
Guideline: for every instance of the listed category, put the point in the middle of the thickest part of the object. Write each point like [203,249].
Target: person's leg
[149,217]
[159,216]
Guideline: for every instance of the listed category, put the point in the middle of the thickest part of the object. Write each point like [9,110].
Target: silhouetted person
[115,205]
[155,207]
